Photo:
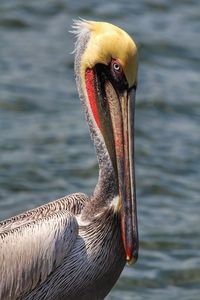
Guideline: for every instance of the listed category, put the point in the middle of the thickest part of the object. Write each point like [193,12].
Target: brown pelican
[75,248]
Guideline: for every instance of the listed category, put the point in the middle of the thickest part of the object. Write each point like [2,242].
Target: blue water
[45,149]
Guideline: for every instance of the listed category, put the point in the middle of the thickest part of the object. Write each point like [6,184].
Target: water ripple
[45,150]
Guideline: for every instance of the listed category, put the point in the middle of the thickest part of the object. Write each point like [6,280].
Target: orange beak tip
[130,260]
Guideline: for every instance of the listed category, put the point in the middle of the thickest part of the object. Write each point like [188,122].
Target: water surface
[45,149]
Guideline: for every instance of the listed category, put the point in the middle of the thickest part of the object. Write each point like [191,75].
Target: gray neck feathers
[106,188]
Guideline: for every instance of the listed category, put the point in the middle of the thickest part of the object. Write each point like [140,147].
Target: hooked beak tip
[131,259]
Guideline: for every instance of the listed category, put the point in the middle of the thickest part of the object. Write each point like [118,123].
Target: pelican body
[75,248]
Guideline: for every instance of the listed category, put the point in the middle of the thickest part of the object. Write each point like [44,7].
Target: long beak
[122,116]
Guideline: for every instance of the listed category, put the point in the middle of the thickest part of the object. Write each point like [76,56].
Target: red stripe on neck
[91,94]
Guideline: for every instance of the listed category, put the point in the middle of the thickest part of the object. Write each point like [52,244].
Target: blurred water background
[45,149]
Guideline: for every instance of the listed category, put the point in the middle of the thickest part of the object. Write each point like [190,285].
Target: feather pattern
[91,268]
[34,243]
[72,203]
[42,247]
[79,29]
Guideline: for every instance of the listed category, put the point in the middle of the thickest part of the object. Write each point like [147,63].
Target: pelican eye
[117,76]
[116,67]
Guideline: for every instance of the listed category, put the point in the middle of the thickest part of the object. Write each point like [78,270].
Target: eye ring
[116,66]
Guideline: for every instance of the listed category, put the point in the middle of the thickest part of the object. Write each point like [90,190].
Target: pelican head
[106,73]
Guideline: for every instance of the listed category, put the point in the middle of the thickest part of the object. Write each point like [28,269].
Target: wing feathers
[29,253]
[72,203]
